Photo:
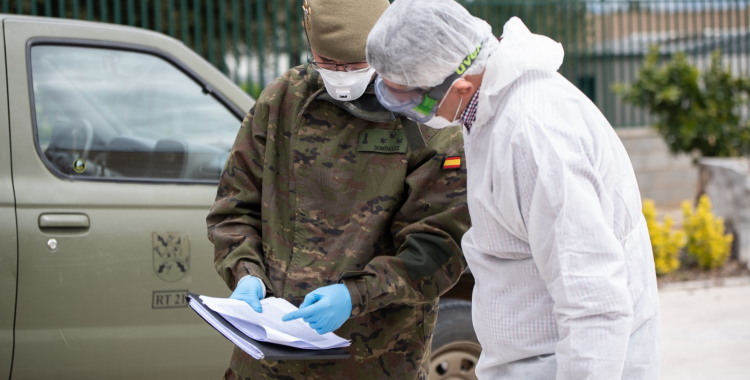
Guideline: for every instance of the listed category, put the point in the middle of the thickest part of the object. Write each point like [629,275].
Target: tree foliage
[696,113]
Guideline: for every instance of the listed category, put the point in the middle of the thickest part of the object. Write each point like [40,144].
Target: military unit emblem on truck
[171,255]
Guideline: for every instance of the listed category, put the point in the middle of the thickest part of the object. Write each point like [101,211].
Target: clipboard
[271,351]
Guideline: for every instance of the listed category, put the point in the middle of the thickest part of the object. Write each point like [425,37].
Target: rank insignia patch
[453,162]
[382,141]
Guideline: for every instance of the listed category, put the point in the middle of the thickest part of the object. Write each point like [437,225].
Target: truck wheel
[455,348]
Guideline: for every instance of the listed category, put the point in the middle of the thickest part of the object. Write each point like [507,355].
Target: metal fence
[254,41]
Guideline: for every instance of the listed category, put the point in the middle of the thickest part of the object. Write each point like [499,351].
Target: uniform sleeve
[427,229]
[234,222]
[568,215]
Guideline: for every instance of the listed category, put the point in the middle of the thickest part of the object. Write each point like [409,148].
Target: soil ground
[732,268]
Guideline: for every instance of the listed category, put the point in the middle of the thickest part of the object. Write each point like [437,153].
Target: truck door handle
[63,221]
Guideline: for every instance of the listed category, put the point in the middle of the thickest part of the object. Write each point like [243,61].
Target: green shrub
[696,113]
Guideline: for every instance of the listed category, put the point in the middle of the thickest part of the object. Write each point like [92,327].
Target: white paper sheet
[240,342]
[268,326]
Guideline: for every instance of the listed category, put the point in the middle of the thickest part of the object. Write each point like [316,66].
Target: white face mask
[346,86]
[439,122]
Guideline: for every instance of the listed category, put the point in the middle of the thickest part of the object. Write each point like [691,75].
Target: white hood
[519,51]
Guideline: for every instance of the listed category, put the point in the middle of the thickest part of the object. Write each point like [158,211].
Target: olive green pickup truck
[112,140]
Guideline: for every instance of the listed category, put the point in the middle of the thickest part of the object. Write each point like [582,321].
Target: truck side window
[118,114]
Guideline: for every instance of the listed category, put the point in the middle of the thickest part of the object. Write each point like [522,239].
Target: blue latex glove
[250,290]
[325,309]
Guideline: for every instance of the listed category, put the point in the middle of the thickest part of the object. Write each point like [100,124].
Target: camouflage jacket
[301,206]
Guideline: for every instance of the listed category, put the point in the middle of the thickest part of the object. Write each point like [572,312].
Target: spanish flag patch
[453,162]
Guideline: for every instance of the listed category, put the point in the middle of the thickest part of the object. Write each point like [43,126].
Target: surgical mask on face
[344,85]
[439,122]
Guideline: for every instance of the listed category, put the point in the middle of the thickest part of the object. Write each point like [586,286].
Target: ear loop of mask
[460,100]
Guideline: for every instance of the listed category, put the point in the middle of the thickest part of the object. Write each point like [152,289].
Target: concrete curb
[702,284]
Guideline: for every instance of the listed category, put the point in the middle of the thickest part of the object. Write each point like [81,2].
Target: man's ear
[464,88]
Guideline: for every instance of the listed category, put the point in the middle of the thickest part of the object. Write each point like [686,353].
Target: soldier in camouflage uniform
[318,192]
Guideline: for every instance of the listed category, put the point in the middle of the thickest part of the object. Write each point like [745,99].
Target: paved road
[706,333]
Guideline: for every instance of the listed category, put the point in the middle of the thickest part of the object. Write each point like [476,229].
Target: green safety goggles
[416,103]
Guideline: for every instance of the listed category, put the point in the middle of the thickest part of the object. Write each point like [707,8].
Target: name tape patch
[453,162]
[382,141]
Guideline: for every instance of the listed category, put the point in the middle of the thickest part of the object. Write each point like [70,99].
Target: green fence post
[210,45]
[76,10]
[222,35]
[738,39]
[117,11]
[721,18]
[170,18]
[34,10]
[646,26]
[131,12]
[301,36]
[260,16]
[197,21]
[184,22]
[634,56]
[288,29]
[144,14]
[696,22]
[274,37]
[248,43]
[103,5]
[48,8]
[61,8]
[89,10]
[638,119]
[747,38]
[570,36]
[617,64]
[19,6]
[236,38]
[157,15]
[604,60]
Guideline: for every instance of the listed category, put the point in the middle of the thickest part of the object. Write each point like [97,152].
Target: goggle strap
[440,90]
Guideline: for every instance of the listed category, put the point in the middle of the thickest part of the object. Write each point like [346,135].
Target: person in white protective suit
[565,281]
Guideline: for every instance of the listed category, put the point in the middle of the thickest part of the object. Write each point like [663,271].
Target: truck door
[9,244]
[118,137]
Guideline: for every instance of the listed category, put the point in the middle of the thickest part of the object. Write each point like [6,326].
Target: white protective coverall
[565,281]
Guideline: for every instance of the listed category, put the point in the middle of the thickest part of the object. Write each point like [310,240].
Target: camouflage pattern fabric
[300,207]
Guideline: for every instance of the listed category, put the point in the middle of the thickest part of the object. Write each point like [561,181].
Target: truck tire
[455,348]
